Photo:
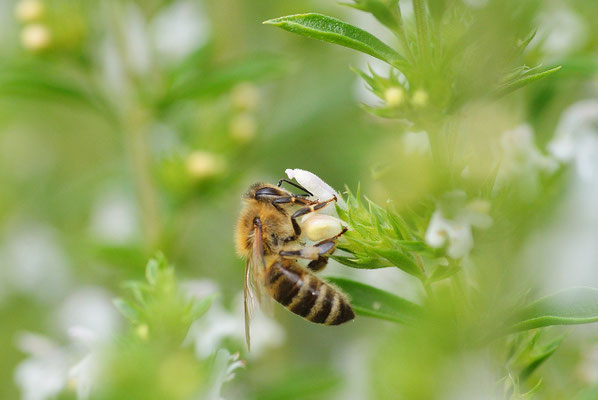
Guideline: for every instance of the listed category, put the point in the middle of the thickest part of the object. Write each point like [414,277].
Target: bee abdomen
[307,295]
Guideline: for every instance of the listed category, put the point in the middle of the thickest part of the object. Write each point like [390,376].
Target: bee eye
[267,191]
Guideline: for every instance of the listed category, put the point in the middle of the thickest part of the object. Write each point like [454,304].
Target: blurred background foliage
[128,127]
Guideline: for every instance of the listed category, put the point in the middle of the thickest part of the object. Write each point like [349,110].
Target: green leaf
[126,309]
[151,271]
[363,262]
[524,81]
[332,30]
[372,302]
[400,260]
[568,307]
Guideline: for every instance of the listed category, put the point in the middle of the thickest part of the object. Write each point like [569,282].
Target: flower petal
[320,189]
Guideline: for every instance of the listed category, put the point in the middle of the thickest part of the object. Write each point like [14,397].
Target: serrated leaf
[568,307]
[151,271]
[540,357]
[400,260]
[363,263]
[524,81]
[373,302]
[332,30]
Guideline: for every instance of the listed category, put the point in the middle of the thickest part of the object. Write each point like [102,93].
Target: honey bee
[267,236]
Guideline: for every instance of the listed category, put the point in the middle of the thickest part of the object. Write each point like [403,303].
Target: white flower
[320,189]
[178,30]
[456,232]
[223,371]
[34,262]
[218,324]
[113,218]
[44,374]
[561,31]
[521,159]
[576,138]
[89,319]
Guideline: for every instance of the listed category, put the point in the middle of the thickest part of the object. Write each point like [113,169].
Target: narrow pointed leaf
[335,31]
[568,307]
[373,302]
[524,81]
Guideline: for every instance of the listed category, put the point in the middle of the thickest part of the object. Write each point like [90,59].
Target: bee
[267,236]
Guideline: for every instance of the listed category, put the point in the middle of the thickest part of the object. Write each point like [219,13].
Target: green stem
[135,130]
[421,23]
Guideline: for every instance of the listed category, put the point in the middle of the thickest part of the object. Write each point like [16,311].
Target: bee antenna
[294,184]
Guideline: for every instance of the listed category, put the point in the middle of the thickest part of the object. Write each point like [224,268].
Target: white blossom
[456,232]
[218,324]
[89,320]
[521,159]
[44,374]
[223,371]
[114,219]
[320,189]
[34,262]
[178,30]
[576,138]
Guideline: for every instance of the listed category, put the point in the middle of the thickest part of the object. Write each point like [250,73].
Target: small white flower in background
[561,31]
[114,219]
[34,262]
[89,320]
[44,374]
[178,30]
[223,371]
[89,308]
[576,138]
[456,231]
[218,324]
[522,160]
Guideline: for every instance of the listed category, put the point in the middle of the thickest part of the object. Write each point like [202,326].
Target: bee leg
[318,253]
[306,210]
[293,199]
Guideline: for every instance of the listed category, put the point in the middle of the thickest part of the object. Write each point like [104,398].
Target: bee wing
[250,303]
[255,271]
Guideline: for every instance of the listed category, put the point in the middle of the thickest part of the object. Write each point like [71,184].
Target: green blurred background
[128,127]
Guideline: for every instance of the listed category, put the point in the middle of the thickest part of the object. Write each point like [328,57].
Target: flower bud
[29,10]
[202,164]
[35,37]
[320,226]
[243,127]
[394,96]
[245,96]
[420,98]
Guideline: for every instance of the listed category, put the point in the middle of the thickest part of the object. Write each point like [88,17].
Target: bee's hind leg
[318,253]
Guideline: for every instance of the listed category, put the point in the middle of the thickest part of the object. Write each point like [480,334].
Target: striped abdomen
[307,295]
